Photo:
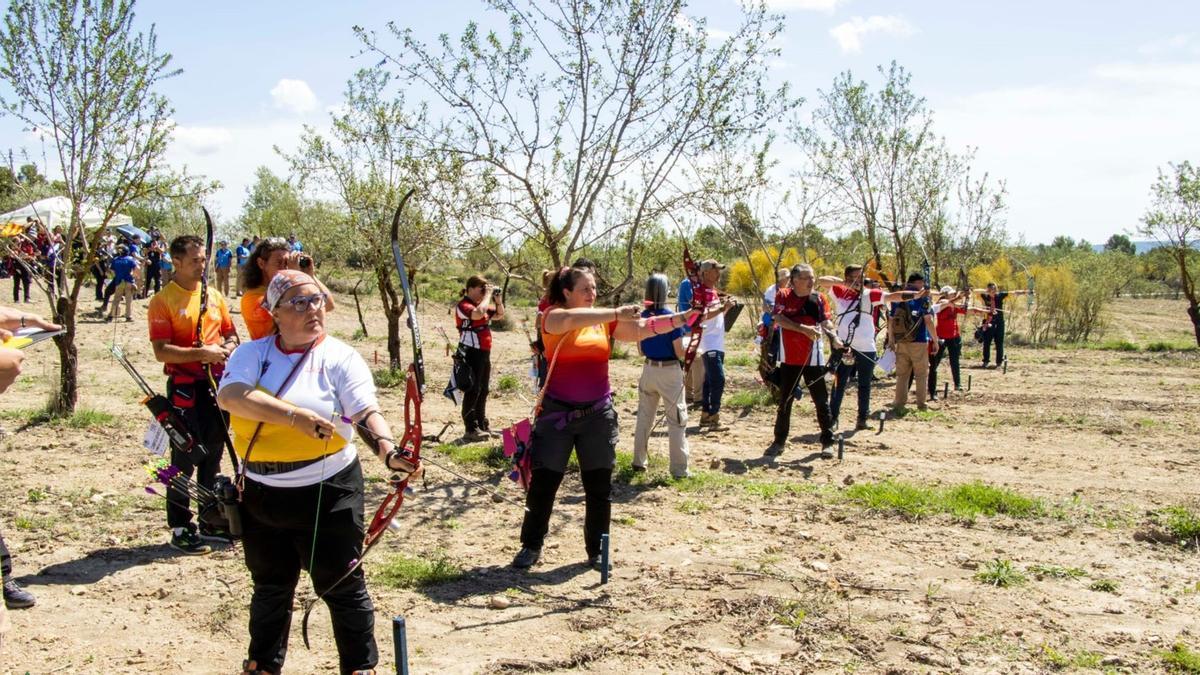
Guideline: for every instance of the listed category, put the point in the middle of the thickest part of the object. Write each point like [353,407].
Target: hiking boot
[16,597]
[774,450]
[861,425]
[189,542]
[476,436]
[714,422]
[705,420]
[827,451]
[526,558]
[596,562]
[638,469]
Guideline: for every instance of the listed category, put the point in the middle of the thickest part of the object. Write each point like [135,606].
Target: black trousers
[318,528]
[597,496]
[814,381]
[99,272]
[5,560]
[198,407]
[21,279]
[951,347]
[995,333]
[153,278]
[474,407]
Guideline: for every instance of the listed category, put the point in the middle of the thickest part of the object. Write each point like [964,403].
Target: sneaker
[188,542]
[958,389]
[638,469]
[596,562]
[774,450]
[827,451]
[16,597]
[861,425]
[475,436]
[526,558]
[208,533]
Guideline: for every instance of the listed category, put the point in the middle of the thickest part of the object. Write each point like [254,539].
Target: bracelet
[292,417]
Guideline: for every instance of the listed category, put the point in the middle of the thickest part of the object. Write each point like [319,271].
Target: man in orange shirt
[189,356]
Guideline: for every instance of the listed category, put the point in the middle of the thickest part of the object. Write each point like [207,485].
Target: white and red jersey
[856,319]
[475,333]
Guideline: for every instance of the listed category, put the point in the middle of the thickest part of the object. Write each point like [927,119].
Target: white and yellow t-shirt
[334,381]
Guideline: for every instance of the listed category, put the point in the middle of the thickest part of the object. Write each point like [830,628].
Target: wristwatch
[22,322]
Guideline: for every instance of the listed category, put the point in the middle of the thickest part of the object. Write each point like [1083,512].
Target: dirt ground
[764,566]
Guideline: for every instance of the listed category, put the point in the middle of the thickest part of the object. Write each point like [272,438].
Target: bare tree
[878,149]
[1173,219]
[84,78]
[581,122]
[369,160]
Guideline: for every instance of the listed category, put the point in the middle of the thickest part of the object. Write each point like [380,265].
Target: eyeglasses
[301,303]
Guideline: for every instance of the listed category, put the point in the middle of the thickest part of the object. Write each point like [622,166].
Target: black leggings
[474,406]
[597,491]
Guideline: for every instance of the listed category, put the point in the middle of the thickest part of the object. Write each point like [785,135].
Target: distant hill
[1139,246]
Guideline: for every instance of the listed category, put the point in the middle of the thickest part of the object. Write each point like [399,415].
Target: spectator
[123,267]
[222,263]
[269,257]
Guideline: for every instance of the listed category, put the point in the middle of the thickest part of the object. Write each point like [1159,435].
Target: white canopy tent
[56,211]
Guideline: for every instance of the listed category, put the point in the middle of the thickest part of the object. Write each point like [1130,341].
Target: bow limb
[692,272]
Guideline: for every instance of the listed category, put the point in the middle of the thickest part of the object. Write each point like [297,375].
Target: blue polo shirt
[661,347]
[243,252]
[919,308]
[122,269]
[224,258]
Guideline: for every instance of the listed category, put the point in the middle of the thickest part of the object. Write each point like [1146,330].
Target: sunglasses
[301,303]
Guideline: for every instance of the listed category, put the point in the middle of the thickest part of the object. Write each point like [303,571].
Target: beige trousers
[693,381]
[123,290]
[912,361]
[665,383]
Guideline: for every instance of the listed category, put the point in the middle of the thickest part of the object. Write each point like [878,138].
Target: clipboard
[27,337]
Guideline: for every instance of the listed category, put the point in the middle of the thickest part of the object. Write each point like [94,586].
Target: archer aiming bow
[409,446]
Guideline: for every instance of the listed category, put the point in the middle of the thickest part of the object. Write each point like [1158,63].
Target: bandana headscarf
[280,283]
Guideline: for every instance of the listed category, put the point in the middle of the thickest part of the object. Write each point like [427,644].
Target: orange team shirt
[581,370]
[172,316]
[259,322]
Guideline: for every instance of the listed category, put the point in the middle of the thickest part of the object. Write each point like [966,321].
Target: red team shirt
[797,348]
[473,332]
[947,322]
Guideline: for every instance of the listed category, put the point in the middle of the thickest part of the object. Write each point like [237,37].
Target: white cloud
[826,6]
[849,35]
[202,140]
[294,96]
[690,26]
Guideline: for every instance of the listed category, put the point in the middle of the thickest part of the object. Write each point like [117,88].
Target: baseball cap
[947,290]
[711,264]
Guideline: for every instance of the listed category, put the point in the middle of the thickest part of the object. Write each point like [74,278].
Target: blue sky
[1075,104]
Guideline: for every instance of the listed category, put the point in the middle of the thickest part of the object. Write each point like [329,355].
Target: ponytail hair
[564,281]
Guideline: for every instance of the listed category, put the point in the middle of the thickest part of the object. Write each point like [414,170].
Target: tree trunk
[1194,313]
[391,309]
[358,308]
[62,402]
